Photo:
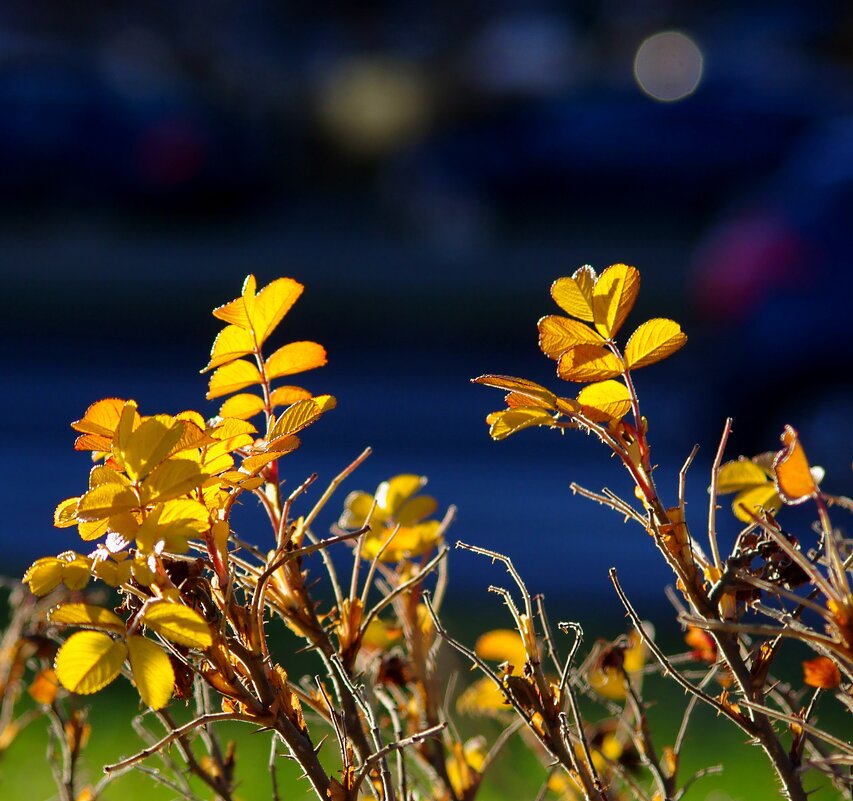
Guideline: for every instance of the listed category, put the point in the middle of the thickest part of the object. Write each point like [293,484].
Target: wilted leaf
[231,377]
[557,334]
[89,615]
[613,298]
[605,400]
[794,479]
[297,357]
[178,623]
[152,671]
[652,341]
[89,661]
[821,672]
[588,363]
[574,295]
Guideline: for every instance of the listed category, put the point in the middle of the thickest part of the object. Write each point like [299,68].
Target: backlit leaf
[294,419]
[285,396]
[557,334]
[393,493]
[574,295]
[821,672]
[605,400]
[171,479]
[232,377]
[243,406]
[271,304]
[106,475]
[178,623]
[100,418]
[297,357]
[794,479]
[88,615]
[152,671]
[106,500]
[148,445]
[753,500]
[237,311]
[89,661]
[654,340]
[65,514]
[520,386]
[739,475]
[44,575]
[231,343]
[613,297]
[588,363]
[93,442]
[502,645]
[503,424]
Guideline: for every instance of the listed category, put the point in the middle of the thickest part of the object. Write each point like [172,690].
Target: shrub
[193,603]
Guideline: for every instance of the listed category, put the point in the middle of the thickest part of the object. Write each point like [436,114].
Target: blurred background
[427,169]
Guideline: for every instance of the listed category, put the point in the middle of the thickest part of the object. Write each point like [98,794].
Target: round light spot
[668,66]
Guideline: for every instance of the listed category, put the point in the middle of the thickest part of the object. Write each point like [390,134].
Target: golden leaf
[293,419]
[231,343]
[172,478]
[505,423]
[297,357]
[740,474]
[87,615]
[89,661]
[588,363]
[605,400]
[178,623]
[148,445]
[574,295]
[654,340]
[261,313]
[794,479]
[152,671]
[100,418]
[242,406]
[65,514]
[44,687]
[613,298]
[232,377]
[557,334]
[286,396]
[502,645]
[520,386]
[105,500]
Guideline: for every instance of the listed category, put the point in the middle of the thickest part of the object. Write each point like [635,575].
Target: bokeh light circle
[668,66]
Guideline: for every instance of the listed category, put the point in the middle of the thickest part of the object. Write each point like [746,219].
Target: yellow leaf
[357,506]
[574,295]
[232,377]
[105,500]
[297,357]
[502,645]
[152,671]
[89,661]
[588,363]
[252,464]
[65,514]
[325,402]
[794,479]
[285,396]
[75,570]
[520,386]
[243,406]
[503,424]
[605,400]
[231,343]
[106,475]
[88,615]
[113,573]
[100,418]
[764,496]
[173,523]
[613,297]
[415,510]
[171,479]
[236,312]
[557,334]
[178,623]
[654,340]
[294,419]
[393,493]
[271,304]
[43,575]
[483,697]
[93,442]
[739,475]
[409,542]
[150,444]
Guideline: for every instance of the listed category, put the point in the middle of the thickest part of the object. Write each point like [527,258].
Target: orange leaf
[794,480]
[588,363]
[574,295]
[503,424]
[232,377]
[520,386]
[100,418]
[242,406]
[613,297]
[231,343]
[652,341]
[557,334]
[821,672]
[297,357]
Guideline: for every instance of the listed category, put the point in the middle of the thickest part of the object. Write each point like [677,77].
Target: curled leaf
[794,479]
